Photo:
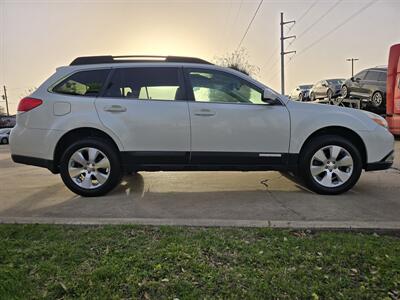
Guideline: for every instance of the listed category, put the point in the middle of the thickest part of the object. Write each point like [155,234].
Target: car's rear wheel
[4,140]
[330,165]
[377,99]
[90,167]
[345,92]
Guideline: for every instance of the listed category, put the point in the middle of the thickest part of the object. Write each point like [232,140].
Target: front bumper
[383,164]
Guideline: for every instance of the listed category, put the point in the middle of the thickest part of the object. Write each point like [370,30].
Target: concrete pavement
[34,195]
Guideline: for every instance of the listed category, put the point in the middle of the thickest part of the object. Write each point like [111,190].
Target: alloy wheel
[89,168]
[377,99]
[345,91]
[331,166]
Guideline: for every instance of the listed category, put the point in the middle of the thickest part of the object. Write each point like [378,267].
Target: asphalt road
[30,194]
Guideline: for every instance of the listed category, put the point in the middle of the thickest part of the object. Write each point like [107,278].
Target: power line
[348,19]
[251,22]
[235,20]
[303,15]
[327,12]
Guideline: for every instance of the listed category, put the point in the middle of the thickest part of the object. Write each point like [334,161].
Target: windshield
[336,81]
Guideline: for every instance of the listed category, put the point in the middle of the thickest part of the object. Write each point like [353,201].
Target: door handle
[114,108]
[204,113]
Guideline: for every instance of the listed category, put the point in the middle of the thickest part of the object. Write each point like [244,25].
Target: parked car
[328,88]
[103,116]
[4,135]
[368,84]
[301,92]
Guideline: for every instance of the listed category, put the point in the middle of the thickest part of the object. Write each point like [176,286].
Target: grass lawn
[54,261]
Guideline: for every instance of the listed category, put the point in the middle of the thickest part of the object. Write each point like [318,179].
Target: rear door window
[149,83]
[372,75]
[83,83]
[382,76]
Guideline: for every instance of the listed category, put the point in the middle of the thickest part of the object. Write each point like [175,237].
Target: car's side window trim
[190,92]
[181,82]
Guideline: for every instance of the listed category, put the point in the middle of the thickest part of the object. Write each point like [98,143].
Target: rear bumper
[384,164]
[34,161]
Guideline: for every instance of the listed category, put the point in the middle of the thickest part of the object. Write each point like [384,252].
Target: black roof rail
[109,59]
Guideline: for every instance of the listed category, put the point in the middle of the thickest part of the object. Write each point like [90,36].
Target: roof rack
[109,59]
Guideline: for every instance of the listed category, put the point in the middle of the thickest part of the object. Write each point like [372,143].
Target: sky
[36,37]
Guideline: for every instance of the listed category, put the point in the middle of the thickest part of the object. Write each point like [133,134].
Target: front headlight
[377,119]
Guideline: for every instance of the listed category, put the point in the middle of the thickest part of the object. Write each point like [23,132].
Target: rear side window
[146,84]
[382,76]
[84,83]
[372,75]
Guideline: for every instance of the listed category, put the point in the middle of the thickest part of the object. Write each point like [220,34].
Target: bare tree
[238,60]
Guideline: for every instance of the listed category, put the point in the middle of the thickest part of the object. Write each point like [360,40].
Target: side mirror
[352,78]
[269,97]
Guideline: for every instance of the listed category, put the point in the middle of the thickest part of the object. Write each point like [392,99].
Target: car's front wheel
[90,167]
[330,165]
[345,92]
[329,94]
[4,140]
[312,97]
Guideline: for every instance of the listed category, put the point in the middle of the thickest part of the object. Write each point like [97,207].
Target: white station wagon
[103,116]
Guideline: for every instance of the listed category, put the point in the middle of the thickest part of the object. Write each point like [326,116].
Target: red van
[393,90]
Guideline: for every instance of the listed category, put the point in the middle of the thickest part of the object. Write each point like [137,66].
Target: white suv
[104,116]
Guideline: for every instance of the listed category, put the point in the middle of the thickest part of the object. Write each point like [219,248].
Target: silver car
[301,92]
[4,135]
[329,88]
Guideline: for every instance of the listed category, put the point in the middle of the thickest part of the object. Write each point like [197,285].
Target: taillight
[27,104]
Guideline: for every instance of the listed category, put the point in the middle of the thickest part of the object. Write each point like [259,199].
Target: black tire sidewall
[115,170]
[4,141]
[315,145]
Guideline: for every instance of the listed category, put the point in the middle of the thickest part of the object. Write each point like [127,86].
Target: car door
[318,89]
[324,89]
[146,108]
[369,84]
[230,124]
[357,80]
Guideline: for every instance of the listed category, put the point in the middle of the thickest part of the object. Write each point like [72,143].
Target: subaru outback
[104,116]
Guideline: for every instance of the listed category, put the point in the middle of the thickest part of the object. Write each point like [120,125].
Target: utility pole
[352,64]
[6,99]
[283,53]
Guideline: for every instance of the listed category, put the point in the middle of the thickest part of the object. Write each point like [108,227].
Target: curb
[325,225]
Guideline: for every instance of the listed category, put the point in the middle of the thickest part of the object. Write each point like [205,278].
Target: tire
[312,97]
[103,165]
[4,140]
[345,92]
[329,94]
[377,99]
[301,97]
[331,175]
